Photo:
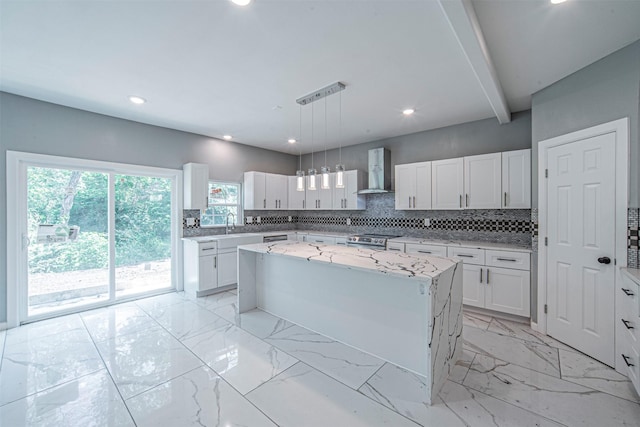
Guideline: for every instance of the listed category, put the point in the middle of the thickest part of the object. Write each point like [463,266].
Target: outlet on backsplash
[427,222]
[249,220]
[348,221]
[257,220]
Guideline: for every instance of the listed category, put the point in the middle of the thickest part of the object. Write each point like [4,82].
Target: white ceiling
[213,68]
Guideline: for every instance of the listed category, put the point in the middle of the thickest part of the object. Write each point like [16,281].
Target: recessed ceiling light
[227,137]
[291,141]
[408,111]
[557,1]
[137,99]
[241,2]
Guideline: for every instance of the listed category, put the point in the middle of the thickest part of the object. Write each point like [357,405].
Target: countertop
[418,267]
[632,273]
[464,244]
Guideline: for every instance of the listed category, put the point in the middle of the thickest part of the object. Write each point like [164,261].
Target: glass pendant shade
[339,176]
[300,180]
[312,180]
[325,184]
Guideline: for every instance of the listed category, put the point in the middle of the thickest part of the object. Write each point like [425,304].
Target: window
[224,199]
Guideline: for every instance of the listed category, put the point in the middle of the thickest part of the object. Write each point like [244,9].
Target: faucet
[233,224]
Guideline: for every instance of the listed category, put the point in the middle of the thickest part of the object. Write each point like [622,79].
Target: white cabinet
[277,191]
[483,181]
[200,267]
[347,198]
[487,283]
[418,248]
[447,184]
[516,179]
[319,238]
[413,186]
[628,326]
[296,199]
[319,198]
[265,191]
[195,185]
[395,246]
[227,267]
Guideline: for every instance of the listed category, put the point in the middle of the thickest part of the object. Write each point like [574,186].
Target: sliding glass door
[89,233]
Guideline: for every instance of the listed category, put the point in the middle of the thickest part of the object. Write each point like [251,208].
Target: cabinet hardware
[425,252]
[215,262]
[465,256]
[505,198]
[414,202]
[209,249]
[628,292]
[627,324]
[626,360]
[481,275]
[506,259]
[319,241]
[264,203]
[304,204]
[461,201]
[546,309]
[467,197]
[409,202]
[487,276]
[393,249]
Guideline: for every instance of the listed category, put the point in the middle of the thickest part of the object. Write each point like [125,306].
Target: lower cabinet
[200,266]
[227,267]
[485,285]
[628,329]
[207,273]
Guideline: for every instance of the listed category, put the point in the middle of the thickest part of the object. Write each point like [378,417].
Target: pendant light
[340,166]
[300,172]
[325,170]
[312,172]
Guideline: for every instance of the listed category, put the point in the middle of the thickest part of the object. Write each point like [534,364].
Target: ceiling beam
[464,23]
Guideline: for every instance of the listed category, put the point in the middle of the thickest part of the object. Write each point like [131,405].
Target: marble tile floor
[172,360]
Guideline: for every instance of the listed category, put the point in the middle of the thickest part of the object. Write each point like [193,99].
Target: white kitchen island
[403,308]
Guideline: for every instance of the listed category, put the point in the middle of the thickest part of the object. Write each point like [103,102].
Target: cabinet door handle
[425,252]
[505,198]
[627,292]
[414,202]
[409,202]
[467,199]
[304,204]
[507,259]
[627,324]
[264,203]
[487,276]
[465,256]
[209,249]
[319,241]
[481,275]
[393,249]
[461,201]
[215,262]
[626,360]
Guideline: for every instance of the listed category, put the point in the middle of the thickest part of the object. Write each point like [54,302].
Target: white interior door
[581,236]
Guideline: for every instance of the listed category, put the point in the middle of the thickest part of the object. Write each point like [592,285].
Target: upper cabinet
[265,191]
[482,181]
[447,184]
[347,198]
[196,183]
[319,199]
[487,181]
[516,179]
[297,199]
[413,186]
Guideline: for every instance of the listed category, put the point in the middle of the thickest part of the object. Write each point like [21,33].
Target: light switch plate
[191,222]
[290,218]
[249,219]
[348,221]
[257,220]
[427,222]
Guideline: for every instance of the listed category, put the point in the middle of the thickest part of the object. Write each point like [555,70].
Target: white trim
[621,128]
[17,202]
[3,326]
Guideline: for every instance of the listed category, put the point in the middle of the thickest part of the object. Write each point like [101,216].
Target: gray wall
[606,90]
[39,127]
[467,139]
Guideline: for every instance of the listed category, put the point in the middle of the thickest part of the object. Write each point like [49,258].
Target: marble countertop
[632,273]
[413,266]
[464,244]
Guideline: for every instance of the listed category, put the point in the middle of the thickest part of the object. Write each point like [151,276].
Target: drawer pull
[425,252]
[480,275]
[507,259]
[208,249]
[487,276]
[626,360]
[394,249]
[627,324]
[465,256]
[319,241]
[628,292]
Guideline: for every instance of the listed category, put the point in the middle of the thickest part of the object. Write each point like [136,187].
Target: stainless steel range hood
[379,171]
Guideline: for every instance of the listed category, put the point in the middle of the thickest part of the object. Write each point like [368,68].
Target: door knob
[604,260]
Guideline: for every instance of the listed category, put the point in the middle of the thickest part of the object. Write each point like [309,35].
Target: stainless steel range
[371,241]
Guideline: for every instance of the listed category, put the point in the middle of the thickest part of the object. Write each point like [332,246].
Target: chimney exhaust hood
[379,172]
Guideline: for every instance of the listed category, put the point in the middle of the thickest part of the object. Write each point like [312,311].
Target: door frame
[620,128]
[17,163]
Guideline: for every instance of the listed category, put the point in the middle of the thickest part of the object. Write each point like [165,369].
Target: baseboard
[3,326]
